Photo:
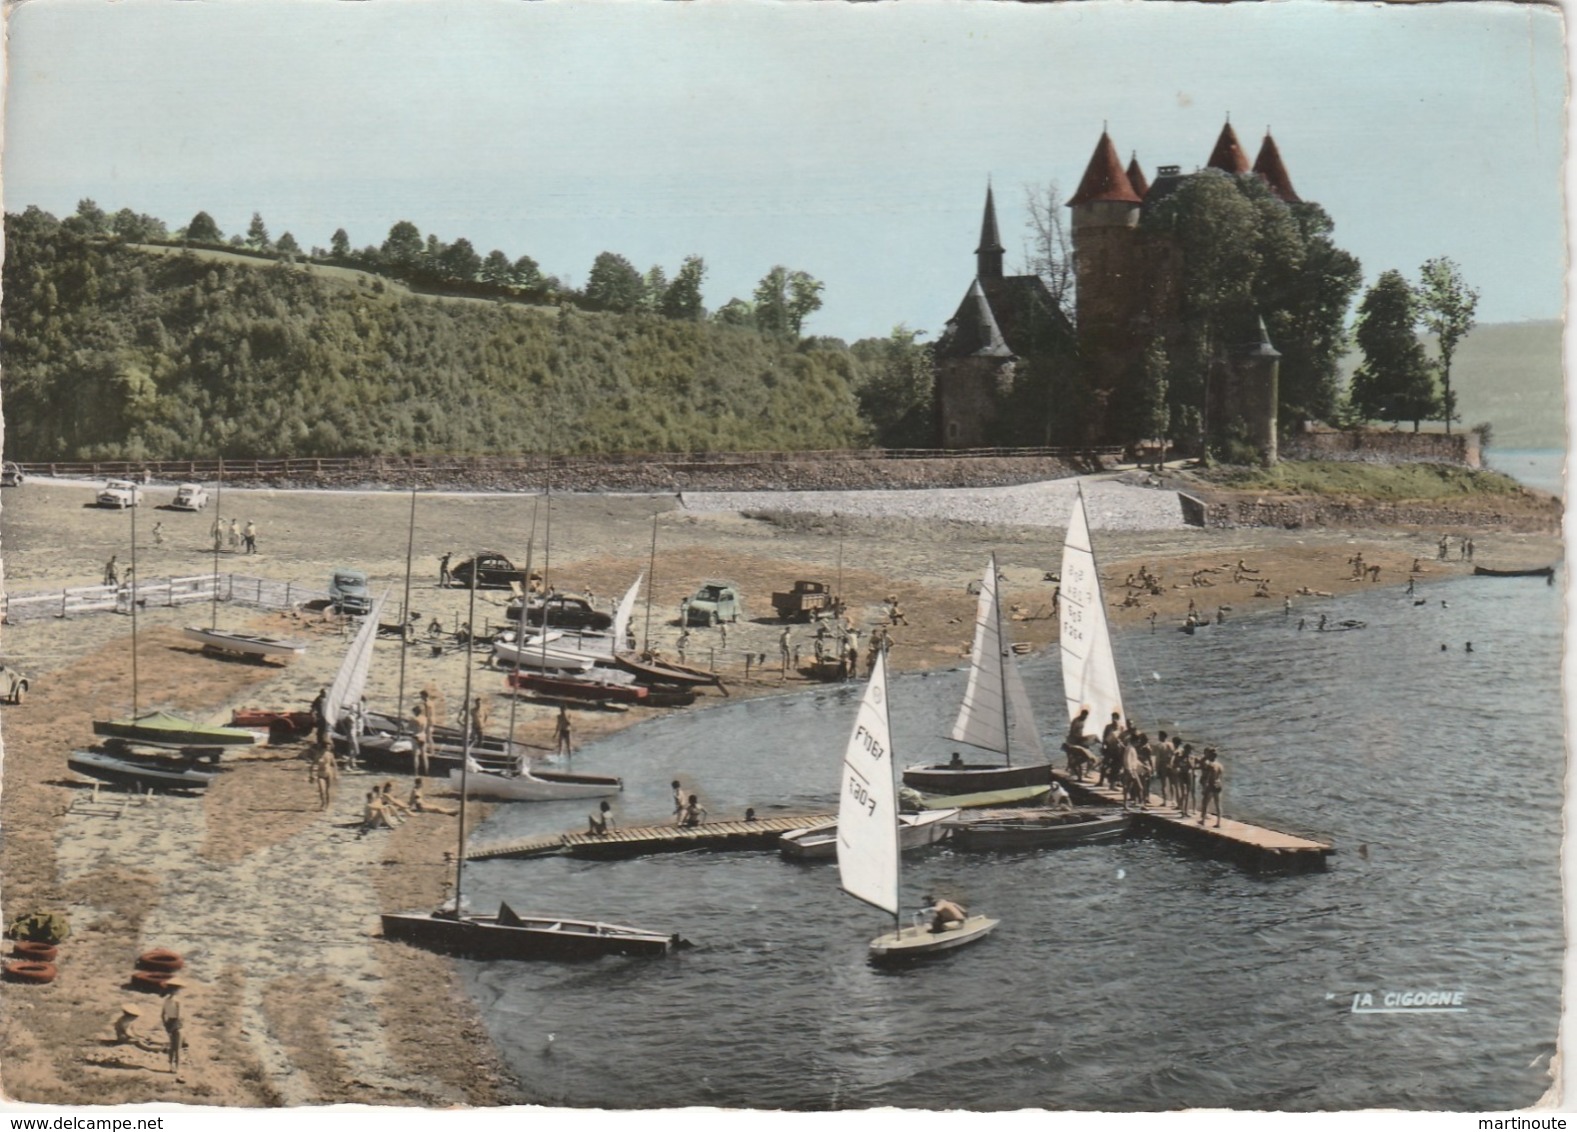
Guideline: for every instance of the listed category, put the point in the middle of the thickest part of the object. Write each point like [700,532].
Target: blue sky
[851,141]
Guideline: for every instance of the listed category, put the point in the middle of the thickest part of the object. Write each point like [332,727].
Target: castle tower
[988,256]
[1136,178]
[1109,270]
[1247,392]
[1268,165]
[1228,156]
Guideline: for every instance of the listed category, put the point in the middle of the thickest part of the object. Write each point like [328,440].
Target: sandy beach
[293,999]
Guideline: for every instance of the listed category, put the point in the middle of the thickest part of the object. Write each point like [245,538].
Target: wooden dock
[639,841]
[1259,848]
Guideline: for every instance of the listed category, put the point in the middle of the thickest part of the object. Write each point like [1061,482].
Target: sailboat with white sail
[1089,667]
[868,838]
[994,717]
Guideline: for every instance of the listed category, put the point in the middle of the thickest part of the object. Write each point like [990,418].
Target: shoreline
[254,1028]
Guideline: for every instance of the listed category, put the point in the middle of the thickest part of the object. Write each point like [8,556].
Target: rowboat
[164,774]
[243,644]
[652,671]
[164,729]
[1035,829]
[820,842]
[1532,572]
[994,717]
[570,688]
[508,935]
[533,785]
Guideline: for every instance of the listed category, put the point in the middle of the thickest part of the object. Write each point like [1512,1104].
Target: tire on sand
[34,971]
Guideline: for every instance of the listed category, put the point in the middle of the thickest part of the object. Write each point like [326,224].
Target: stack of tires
[155,968]
[35,946]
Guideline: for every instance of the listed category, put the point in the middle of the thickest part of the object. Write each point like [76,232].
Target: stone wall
[1523,512]
[1368,447]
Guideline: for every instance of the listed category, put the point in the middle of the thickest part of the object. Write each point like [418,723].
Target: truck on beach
[805,602]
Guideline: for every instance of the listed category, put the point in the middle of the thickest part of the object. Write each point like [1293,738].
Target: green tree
[203,230]
[736,312]
[1309,324]
[784,299]
[339,244]
[496,269]
[614,284]
[1155,415]
[656,282]
[682,299]
[137,228]
[1396,381]
[257,233]
[90,219]
[895,395]
[1447,305]
[525,273]
[402,248]
[286,244]
[460,261]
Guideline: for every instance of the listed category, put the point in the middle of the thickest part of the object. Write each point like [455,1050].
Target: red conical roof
[1104,178]
[1228,156]
[1136,177]
[1268,165]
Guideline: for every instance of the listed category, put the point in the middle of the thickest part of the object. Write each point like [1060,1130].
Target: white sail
[351,679]
[1026,738]
[982,717]
[1089,670]
[868,803]
[621,617]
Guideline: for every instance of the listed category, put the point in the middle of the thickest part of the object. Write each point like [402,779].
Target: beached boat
[652,671]
[536,654]
[244,644]
[532,784]
[868,839]
[1530,572]
[507,935]
[570,688]
[166,729]
[139,774]
[995,715]
[1041,829]
[820,842]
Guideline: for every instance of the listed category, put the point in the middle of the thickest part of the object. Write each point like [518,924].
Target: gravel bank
[1114,504]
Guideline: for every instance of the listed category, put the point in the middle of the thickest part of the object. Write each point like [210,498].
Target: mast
[134,691]
[651,579]
[405,614]
[470,726]
[219,499]
[520,627]
[1002,675]
[887,719]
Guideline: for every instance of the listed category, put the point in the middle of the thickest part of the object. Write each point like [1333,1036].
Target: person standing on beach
[479,714]
[1211,774]
[235,534]
[443,568]
[216,532]
[171,1017]
[561,733]
[783,649]
[321,772]
[423,738]
[251,537]
[158,533]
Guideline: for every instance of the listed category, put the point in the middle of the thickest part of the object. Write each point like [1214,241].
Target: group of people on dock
[1128,758]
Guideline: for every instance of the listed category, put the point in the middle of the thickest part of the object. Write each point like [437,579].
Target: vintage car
[562,611]
[190,497]
[348,592]
[11,475]
[120,493]
[713,602]
[493,572]
[13,685]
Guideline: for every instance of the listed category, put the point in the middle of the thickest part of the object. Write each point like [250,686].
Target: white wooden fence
[263,593]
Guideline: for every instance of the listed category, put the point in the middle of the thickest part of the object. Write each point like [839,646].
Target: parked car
[13,685]
[563,611]
[493,572]
[120,493]
[190,497]
[11,475]
[713,602]
[348,592]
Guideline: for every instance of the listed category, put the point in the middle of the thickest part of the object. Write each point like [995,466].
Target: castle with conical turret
[1012,368]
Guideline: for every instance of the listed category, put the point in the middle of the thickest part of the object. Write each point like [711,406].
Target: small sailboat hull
[974,778]
[138,774]
[1532,572]
[536,785]
[663,672]
[918,941]
[511,936]
[1010,832]
[160,728]
[570,688]
[820,842]
[244,644]
[1019,794]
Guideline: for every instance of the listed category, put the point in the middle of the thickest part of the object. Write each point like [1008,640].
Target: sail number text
[861,795]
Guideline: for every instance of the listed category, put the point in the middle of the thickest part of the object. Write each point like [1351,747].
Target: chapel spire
[988,256]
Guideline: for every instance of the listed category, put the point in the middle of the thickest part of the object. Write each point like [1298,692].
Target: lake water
[1129,976]
[1543,468]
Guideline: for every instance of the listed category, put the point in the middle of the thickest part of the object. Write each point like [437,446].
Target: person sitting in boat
[418,804]
[956,762]
[945,915]
[694,812]
[600,822]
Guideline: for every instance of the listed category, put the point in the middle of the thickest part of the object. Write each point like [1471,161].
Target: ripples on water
[1133,975]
